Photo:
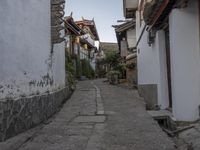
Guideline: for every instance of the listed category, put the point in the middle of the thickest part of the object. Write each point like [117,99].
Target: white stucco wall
[89,38]
[59,65]
[26,64]
[124,48]
[152,65]
[131,38]
[185,62]
[93,59]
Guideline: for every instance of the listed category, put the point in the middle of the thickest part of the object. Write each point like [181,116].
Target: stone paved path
[97,117]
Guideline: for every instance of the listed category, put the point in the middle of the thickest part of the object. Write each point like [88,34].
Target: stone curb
[100,107]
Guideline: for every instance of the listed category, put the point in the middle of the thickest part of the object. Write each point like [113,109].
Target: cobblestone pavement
[98,116]
[189,139]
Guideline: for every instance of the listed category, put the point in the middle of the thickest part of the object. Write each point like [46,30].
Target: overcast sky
[105,13]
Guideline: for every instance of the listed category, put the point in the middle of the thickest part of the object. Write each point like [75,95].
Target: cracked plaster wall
[27,66]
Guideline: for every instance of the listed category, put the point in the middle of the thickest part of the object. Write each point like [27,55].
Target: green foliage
[87,69]
[113,77]
[69,67]
[112,58]
[121,67]
[78,68]
[113,72]
[115,63]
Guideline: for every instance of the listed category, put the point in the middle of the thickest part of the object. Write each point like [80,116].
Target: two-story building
[126,37]
[80,42]
[88,40]
[72,35]
[168,55]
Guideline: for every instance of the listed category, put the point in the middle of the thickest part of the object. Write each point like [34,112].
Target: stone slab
[100,112]
[94,142]
[27,112]
[159,113]
[90,119]
[150,95]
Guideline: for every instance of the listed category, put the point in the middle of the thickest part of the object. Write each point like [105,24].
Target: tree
[115,63]
[112,59]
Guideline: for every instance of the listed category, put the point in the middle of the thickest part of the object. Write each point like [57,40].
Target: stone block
[150,94]
[21,114]
[90,119]
[16,107]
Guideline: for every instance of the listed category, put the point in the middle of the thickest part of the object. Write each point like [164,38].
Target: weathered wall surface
[150,93]
[27,66]
[32,72]
[131,72]
[185,62]
[151,66]
[131,38]
[18,115]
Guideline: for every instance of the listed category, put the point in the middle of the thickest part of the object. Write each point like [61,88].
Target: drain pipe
[199,111]
[140,37]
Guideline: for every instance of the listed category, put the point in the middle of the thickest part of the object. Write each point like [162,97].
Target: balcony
[130,6]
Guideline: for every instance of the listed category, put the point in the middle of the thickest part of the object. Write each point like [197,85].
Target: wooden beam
[160,11]
[182,3]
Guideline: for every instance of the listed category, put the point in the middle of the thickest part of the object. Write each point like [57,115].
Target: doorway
[168,62]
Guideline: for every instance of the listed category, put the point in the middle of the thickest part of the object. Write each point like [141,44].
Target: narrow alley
[98,116]
[99,75]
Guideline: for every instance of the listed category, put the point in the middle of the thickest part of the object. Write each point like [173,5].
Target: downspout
[140,37]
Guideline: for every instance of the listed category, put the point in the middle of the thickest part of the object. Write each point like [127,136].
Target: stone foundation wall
[131,75]
[22,114]
[150,95]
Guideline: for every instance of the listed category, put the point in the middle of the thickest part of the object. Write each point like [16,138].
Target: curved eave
[84,41]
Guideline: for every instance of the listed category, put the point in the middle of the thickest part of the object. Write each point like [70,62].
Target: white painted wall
[59,65]
[131,38]
[25,46]
[89,38]
[124,48]
[152,64]
[185,62]
[93,59]
[163,92]
[131,3]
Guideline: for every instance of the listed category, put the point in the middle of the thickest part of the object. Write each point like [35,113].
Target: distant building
[108,47]
[88,39]
[72,34]
[126,37]
[80,42]
[104,49]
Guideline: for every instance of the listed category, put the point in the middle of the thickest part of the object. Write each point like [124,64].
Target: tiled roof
[91,24]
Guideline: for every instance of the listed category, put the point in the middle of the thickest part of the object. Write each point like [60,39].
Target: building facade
[105,48]
[32,70]
[81,37]
[168,55]
[89,49]
[126,37]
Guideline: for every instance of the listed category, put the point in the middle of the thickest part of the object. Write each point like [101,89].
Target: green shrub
[87,69]
[113,77]
[78,68]
[69,67]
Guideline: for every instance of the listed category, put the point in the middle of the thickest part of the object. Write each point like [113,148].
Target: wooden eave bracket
[181,3]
